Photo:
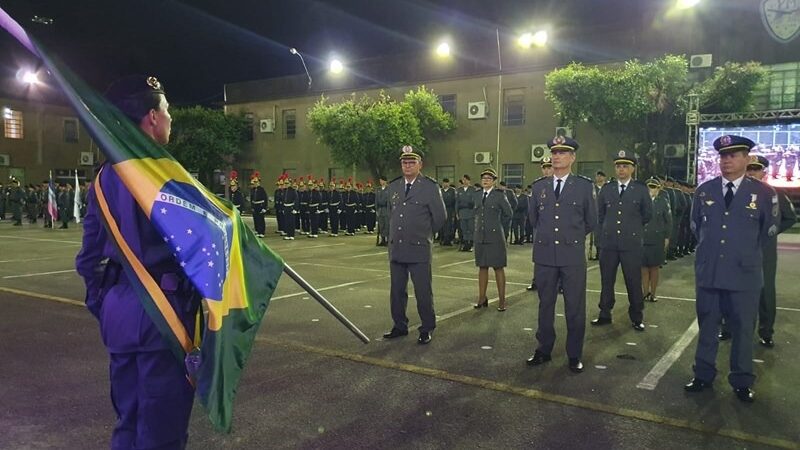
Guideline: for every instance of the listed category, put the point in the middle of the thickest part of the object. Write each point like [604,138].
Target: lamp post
[295,52]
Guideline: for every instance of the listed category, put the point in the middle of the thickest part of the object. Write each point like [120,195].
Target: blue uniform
[149,389]
[728,271]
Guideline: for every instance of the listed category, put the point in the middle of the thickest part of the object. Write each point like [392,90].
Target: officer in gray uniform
[562,210]
[465,204]
[732,216]
[623,208]
[757,168]
[382,203]
[448,231]
[416,211]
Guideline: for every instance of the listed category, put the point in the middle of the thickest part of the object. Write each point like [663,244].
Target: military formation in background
[29,203]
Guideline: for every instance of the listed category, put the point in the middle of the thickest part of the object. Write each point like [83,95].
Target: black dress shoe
[601,321]
[395,333]
[483,304]
[424,337]
[537,359]
[745,394]
[767,342]
[696,385]
[532,287]
[724,335]
[638,326]
[575,365]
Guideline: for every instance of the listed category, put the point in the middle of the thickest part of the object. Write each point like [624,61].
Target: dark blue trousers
[153,400]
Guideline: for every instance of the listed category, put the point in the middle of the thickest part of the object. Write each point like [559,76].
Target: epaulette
[431,179]
[585,178]
[539,179]
[396,179]
[639,182]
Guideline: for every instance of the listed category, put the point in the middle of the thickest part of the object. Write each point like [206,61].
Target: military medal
[752,204]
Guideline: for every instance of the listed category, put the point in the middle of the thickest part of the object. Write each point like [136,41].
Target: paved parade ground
[311,384]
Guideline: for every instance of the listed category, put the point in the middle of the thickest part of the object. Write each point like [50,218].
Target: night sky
[196,46]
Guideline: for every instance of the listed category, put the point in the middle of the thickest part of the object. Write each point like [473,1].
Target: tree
[368,133]
[204,139]
[647,101]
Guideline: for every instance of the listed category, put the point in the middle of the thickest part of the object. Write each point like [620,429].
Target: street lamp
[539,39]
[295,52]
[30,78]
[443,50]
[336,66]
[686,4]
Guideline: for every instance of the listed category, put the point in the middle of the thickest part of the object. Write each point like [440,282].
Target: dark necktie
[622,190]
[485,193]
[729,195]
[558,187]
[408,188]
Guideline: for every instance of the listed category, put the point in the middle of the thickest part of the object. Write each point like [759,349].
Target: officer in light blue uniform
[562,211]
[732,216]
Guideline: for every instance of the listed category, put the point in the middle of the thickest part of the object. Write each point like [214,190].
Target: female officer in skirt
[656,239]
[492,210]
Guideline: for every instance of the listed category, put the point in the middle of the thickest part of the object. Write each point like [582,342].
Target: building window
[71,130]
[448,102]
[782,90]
[589,168]
[514,101]
[448,172]
[249,133]
[289,124]
[513,174]
[12,124]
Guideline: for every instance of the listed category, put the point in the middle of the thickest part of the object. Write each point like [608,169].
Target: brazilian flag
[233,270]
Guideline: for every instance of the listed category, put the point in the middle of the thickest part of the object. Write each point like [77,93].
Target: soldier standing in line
[360,208]
[236,195]
[259,202]
[382,204]
[16,200]
[679,209]
[342,209]
[416,212]
[757,168]
[599,182]
[369,208]
[528,226]
[447,233]
[334,208]
[563,212]
[324,206]
[3,198]
[623,209]
[512,201]
[32,204]
[547,171]
[518,217]
[792,158]
[291,201]
[305,214]
[656,240]
[280,192]
[732,215]
[350,199]
[314,202]
[465,204]
[65,202]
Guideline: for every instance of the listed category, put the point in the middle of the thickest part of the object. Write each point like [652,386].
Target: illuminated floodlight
[443,50]
[336,66]
[540,38]
[30,78]
[686,4]
[525,40]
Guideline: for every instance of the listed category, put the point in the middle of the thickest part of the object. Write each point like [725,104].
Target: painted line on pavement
[367,254]
[691,300]
[42,296]
[327,288]
[650,381]
[30,259]
[40,239]
[457,263]
[37,274]
[535,394]
[287,247]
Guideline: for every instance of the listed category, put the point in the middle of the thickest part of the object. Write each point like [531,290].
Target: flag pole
[325,303]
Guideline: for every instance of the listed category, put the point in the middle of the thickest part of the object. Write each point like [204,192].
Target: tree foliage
[646,102]
[204,139]
[368,133]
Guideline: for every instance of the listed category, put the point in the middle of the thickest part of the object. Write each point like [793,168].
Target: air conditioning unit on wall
[539,152]
[674,151]
[87,158]
[266,125]
[5,160]
[700,61]
[477,110]
[482,157]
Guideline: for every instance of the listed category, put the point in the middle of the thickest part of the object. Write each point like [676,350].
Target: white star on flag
[163,210]
[183,263]
[177,249]
[211,264]
[189,231]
